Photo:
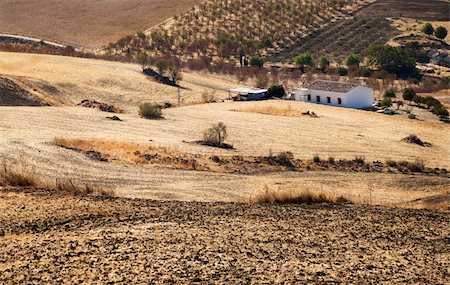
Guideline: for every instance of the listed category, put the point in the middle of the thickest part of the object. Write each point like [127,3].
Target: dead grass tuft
[19,176]
[74,189]
[269,196]
[270,110]
[442,206]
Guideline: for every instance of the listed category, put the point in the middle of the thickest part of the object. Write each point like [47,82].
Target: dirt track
[135,241]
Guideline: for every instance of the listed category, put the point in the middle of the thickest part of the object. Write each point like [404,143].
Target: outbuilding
[336,94]
[249,94]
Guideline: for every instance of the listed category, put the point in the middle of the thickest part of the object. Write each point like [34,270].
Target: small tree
[257,61]
[302,60]
[440,32]
[390,93]
[409,94]
[175,70]
[428,29]
[276,91]
[323,63]
[162,65]
[142,59]
[352,61]
[216,135]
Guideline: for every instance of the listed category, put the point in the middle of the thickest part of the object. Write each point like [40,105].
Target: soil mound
[100,106]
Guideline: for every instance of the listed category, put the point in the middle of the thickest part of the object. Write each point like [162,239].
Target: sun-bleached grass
[18,175]
[271,110]
[442,206]
[270,196]
[119,150]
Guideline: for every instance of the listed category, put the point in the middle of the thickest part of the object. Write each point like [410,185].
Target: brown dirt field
[86,23]
[57,239]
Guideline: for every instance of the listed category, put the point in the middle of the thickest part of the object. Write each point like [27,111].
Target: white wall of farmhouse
[358,98]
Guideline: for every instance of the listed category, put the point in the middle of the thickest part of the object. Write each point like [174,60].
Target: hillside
[228,28]
[86,23]
[367,26]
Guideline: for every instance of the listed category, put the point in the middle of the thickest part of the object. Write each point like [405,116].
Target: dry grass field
[27,135]
[71,80]
[86,23]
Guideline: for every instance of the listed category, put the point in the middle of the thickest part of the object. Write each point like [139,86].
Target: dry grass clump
[270,110]
[75,189]
[269,196]
[125,152]
[442,206]
[19,176]
[150,111]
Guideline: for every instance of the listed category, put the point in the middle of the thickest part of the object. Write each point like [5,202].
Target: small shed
[336,94]
[249,94]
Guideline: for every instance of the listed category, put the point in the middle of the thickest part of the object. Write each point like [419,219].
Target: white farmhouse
[336,94]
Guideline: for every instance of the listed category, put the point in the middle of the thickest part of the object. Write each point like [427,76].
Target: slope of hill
[86,23]
[228,28]
[368,26]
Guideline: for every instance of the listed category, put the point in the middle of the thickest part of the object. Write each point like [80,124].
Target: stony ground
[48,238]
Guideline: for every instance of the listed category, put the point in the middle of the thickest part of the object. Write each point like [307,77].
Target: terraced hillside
[368,26]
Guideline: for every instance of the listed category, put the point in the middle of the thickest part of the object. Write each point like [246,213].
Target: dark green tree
[324,63]
[276,91]
[303,60]
[440,32]
[392,59]
[351,61]
[409,94]
[428,29]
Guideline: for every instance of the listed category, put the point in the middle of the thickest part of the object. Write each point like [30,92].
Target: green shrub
[386,102]
[428,29]
[331,160]
[150,111]
[257,61]
[409,94]
[316,158]
[342,71]
[391,163]
[390,93]
[359,159]
[440,32]
[351,60]
[276,91]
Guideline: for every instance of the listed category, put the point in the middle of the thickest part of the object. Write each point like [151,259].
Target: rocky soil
[49,238]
